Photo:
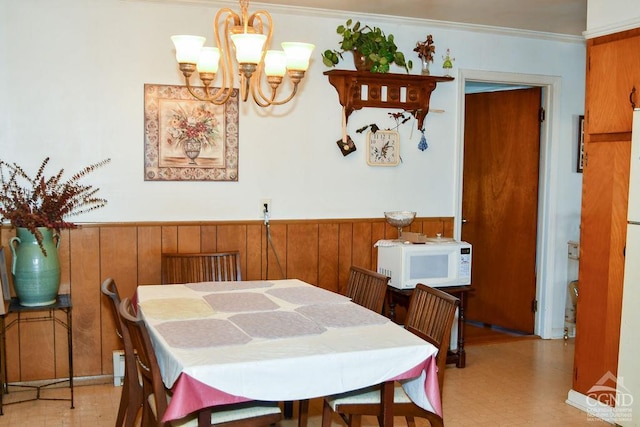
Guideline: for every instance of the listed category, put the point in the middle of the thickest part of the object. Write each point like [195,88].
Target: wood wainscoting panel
[170,239]
[361,245]
[252,258]
[232,237]
[302,252]
[328,252]
[345,253]
[189,239]
[319,251]
[377,232]
[64,253]
[209,239]
[88,312]
[149,256]
[36,347]
[278,251]
[118,260]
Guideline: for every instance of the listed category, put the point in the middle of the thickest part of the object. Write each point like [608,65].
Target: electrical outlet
[265,202]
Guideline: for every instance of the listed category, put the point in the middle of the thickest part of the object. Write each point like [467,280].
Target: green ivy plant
[379,50]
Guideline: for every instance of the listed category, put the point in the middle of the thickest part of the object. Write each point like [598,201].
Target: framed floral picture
[186,139]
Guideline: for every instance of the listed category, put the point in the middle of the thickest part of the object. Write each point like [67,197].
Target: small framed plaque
[580,144]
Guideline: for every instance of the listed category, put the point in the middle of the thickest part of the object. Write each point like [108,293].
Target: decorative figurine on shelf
[425,50]
[447,65]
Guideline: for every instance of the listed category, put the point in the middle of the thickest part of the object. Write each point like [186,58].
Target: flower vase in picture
[192,128]
[192,149]
[36,270]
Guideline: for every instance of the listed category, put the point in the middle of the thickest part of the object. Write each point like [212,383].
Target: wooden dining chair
[430,316]
[367,288]
[131,397]
[200,267]
[155,396]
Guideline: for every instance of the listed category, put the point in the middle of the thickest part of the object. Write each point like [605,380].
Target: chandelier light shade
[242,48]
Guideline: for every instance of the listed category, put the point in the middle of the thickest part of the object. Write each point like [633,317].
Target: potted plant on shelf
[372,49]
[37,206]
[425,50]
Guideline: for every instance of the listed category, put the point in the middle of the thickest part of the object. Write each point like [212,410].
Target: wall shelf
[406,91]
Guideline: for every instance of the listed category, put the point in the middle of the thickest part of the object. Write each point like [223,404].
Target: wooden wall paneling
[320,252]
[361,247]
[13,350]
[119,260]
[170,239]
[149,256]
[328,256]
[86,299]
[6,233]
[415,226]
[63,256]
[189,238]
[254,249]
[208,238]
[447,227]
[279,249]
[390,232]
[36,348]
[233,237]
[302,252]
[345,253]
[432,228]
[377,233]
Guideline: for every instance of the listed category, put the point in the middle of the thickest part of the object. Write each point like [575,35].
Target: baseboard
[592,407]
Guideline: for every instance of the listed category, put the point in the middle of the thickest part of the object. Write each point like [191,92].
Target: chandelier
[249,37]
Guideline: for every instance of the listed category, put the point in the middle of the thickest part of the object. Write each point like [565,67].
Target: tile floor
[511,384]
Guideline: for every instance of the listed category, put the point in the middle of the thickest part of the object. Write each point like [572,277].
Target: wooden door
[613,82]
[500,203]
[605,189]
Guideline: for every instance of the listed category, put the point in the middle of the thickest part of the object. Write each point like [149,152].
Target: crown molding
[617,27]
[396,20]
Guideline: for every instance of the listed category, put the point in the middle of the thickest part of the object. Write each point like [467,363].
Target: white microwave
[435,264]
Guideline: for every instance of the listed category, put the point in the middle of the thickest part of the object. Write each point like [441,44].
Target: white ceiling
[549,16]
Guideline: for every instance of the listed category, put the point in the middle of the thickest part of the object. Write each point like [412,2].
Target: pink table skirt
[191,395]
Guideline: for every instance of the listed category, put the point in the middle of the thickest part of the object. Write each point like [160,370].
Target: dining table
[278,340]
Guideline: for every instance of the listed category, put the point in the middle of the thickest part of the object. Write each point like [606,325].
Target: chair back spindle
[201,267]
[367,288]
[430,316]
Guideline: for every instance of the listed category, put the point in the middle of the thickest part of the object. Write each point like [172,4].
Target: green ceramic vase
[36,277]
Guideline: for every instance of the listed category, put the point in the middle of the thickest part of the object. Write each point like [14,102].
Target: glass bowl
[400,219]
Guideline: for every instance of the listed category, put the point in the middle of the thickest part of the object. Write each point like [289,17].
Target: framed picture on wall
[186,139]
[580,143]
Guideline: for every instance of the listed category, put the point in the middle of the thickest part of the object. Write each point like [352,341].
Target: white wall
[71,87]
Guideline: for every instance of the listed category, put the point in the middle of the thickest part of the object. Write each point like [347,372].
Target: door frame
[547,186]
